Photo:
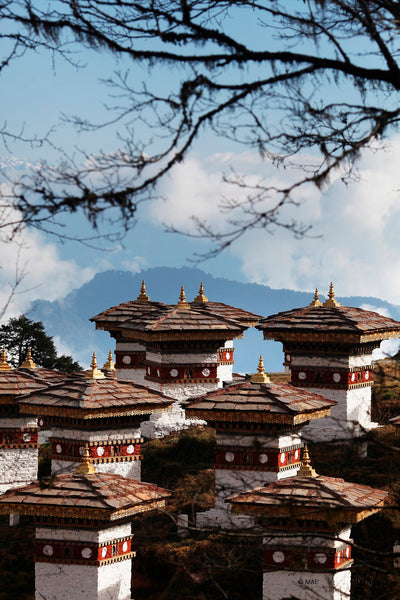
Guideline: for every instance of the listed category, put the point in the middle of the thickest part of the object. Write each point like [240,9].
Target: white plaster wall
[164,423]
[350,418]
[129,347]
[18,467]
[182,391]
[264,441]
[97,436]
[306,585]
[130,469]
[228,483]
[73,535]
[221,518]
[309,540]
[135,375]
[180,358]
[314,360]
[19,422]
[224,373]
[77,582]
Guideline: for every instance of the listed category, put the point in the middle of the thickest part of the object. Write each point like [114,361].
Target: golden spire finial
[109,365]
[143,296]
[331,302]
[316,301]
[4,366]
[85,467]
[201,297]
[306,469]
[182,300]
[260,376]
[94,372]
[28,362]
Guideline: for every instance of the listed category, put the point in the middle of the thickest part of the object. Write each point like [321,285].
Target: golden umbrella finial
[143,296]
[182,300]
[316,301]
[306,469]
[94,372]
[109,365]
[331,302]
[28,362]
[260,376]
[85,467]
[201,297]
[4,366]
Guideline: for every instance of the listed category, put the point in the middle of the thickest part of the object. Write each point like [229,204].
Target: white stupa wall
[60,581]
[225,372]
[281,584]
[128,468]
[127,372]
[18,465]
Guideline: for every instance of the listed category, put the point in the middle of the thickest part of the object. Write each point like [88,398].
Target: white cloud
[354,241]
[45,274]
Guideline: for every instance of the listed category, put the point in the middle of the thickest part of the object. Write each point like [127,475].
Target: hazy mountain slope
[67,319]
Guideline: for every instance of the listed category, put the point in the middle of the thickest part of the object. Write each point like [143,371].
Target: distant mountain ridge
[67,319]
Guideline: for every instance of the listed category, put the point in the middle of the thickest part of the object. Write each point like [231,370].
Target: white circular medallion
[86,552]
[302,375]
[58,448]
[278,556]
[40,422]
[148,370]
[100,451]
[263,458]
[81,450]
[173,373]
[126,359]
[227,355]
[283,457]
[288,357]
[130,449]
[104,552]
[320,558]
[26,437]
[206,372]
[336,377]
[347,551]
[48,550]
[229,457]
[366,375]
[297,454]
[158,372]
[353,376]
[124,546]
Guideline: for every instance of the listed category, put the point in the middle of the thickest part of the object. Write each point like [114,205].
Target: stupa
[18,433]
[182,350]
[83,540]
[307,523]
[258,435]
[328,349]
[98,411]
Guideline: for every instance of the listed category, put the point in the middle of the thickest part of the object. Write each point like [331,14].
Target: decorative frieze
[26,437]
[257,459]
[225,356]
[84,553]
[306,558]
[128,359]
[182,373]
[331,377]
[99,452]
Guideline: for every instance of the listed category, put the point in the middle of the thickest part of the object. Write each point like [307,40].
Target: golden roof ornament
[85,467]
[28,362]
[94,372]
[201,297]
[260,376]
[4,366]
[143,296]
[182,304]
[109,365]
[316,301]
[306,469]
[331,302]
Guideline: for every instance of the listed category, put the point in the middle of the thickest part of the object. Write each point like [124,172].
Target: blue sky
[355,228]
